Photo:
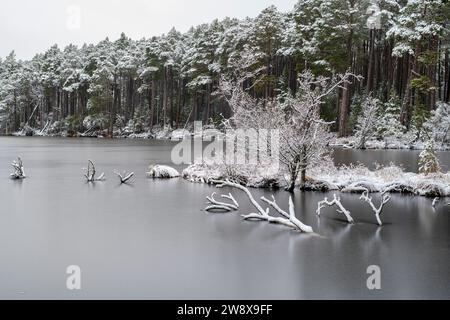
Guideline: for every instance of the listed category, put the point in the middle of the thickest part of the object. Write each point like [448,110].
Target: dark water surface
[150,240]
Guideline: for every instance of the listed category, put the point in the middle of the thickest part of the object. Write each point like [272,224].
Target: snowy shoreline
[179,134]
[351,142]
[347,179]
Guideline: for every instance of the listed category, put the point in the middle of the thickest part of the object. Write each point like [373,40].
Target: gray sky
[30,26]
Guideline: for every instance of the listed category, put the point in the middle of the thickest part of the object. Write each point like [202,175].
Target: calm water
[151,240]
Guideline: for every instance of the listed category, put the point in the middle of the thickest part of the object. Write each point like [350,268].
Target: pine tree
[428,161]
[388,124]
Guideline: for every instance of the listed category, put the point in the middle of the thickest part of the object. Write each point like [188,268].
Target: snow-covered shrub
[388,124]
[95,122]
[438,125]
[428,162]
[72,124]
[247,175]
[56,127]
[134,126]
[162,172]
[120,122]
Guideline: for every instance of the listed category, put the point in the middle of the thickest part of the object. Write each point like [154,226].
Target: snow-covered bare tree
[365,126]
[303,134]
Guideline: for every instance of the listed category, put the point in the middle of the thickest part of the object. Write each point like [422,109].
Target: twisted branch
[336,202]
[384,200]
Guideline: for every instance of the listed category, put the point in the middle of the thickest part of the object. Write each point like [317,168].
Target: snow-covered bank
[352,143]
[384,179]
[254,177]
[345,179]
[157,133]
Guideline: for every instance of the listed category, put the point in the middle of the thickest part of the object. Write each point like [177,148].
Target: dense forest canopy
[171,80]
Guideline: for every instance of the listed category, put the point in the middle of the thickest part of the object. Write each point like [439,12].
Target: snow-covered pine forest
[141,87]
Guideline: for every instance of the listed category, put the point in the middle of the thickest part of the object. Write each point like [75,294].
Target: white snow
[162,172]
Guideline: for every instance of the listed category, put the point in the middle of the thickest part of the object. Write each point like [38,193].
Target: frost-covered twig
[289,220]
[336,202]
[384,200]
[217,205]
[19,172]
[125,177]
[90,173]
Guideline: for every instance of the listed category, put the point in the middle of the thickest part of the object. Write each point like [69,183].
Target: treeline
[171,81]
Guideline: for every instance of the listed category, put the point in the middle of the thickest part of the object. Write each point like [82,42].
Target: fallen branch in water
[90,173]
[336,202]
[221,206]
[289,220]
[384,200]
[289,216]
[124,177]
[19,171]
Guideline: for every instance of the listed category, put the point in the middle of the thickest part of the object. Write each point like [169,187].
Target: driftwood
[90,173]
[215,205]
[288,220]
[19,171]
[378,211]
[124,177]
[336,202]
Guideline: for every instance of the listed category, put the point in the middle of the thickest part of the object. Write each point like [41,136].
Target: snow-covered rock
[162,172]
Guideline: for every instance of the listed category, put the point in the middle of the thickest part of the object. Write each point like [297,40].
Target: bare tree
[303,134]
[366,121]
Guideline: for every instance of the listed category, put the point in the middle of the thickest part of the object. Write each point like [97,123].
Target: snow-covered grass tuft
[162,172]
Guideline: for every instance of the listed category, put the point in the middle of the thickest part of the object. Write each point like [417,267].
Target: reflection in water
[151,239]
